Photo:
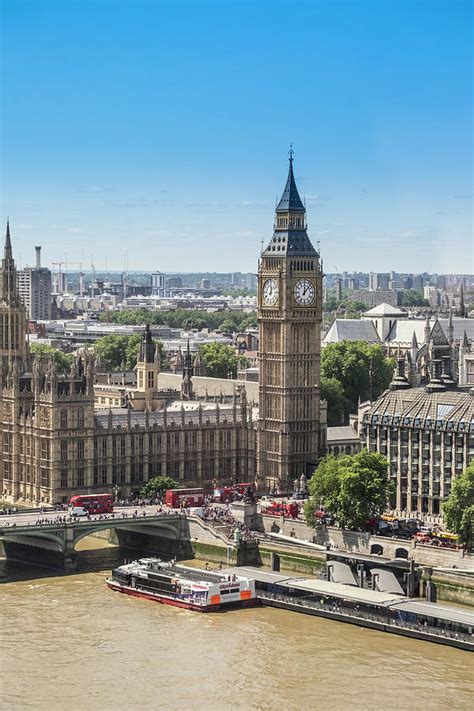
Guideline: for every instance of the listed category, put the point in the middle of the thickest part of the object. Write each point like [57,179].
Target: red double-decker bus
[93,503]
[175,498]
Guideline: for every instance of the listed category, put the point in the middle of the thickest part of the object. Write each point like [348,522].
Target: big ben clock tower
[290,432]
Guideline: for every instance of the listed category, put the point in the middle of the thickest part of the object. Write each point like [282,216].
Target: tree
[111,351]
[414,297]
[157,486]
[114,351]
[353,488]
[220,360]
[63,361]
[458,510]
[333,392]
[362,369]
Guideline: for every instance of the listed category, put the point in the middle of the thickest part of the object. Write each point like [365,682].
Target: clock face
[304,292]
[270,292]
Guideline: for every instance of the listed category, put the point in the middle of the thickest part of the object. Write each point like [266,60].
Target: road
[32,517]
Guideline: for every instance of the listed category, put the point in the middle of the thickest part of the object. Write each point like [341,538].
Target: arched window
[80,418]
[63,419]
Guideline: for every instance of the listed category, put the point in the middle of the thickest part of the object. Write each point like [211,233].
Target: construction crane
[60,273]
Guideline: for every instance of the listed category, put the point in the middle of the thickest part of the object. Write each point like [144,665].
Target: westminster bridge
[50,539]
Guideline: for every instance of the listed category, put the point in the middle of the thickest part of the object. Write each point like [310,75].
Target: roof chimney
[38,257]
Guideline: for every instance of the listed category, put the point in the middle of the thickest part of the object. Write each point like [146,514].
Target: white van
[77,511]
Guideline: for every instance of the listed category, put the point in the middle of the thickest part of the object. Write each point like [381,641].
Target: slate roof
[341,434]
[385,310]
[416,403]
[290,242]
[351,330]
[290,201]
[402,331]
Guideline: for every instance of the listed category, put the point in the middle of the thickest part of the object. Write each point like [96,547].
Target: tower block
[291,427]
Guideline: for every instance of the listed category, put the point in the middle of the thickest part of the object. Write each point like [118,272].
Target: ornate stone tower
[13,323]
[290,432]
[148,369]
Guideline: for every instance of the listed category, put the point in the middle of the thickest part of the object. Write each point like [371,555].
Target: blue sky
[162,129]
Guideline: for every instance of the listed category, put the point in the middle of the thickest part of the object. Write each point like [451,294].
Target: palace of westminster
[58,439]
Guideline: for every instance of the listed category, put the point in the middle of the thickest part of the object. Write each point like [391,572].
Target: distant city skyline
[162,130]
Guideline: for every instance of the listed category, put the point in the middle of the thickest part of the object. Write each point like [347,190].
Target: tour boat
[181,586]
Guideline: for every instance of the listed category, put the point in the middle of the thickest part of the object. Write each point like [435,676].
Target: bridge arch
[148,527]
[43,539]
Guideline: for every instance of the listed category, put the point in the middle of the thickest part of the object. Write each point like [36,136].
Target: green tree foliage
[458,510]
[114,351]
[220,360]
[414,297]
[62,360]
[157,486]
[186,319]
[362,370]
[333,392]
[353,488]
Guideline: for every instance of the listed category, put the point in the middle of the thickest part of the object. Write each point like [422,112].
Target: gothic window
[44,450]
[80,417]
[44,477]
[63,419]
[104,447]
[63,478]
[80,477]
[80,449]
[6,442]
[122,447]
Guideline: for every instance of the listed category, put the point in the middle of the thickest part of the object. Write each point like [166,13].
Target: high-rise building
[291,433]
[34,287]
[158,284]
[378,281]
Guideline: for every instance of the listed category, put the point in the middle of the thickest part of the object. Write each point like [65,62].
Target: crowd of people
[52,519]
[222,516]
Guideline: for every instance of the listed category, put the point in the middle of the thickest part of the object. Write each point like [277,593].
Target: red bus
[93,503]
[228,494]
[175,498]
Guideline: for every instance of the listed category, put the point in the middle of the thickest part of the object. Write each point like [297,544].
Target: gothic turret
[290,236]
[462,306]
[12,312]
[147,368]
[187,382]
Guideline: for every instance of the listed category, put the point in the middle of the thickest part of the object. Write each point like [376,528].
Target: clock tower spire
[291,433]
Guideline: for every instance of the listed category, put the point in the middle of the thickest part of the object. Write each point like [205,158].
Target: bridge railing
[81,523]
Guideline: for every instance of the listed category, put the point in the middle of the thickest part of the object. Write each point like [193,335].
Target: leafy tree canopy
[186,319]
[458,510]
[62,360]
[414,297]
[220,360]
[157,486]
[353,488]
[333,392]
[114,351]
[362,369]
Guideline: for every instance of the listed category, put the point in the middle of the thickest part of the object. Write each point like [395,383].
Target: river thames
[71,643]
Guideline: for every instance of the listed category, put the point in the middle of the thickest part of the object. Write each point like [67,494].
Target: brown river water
[68,642]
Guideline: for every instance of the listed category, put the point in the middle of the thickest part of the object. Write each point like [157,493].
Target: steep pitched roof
[351,330]
[290,201]
[385,310]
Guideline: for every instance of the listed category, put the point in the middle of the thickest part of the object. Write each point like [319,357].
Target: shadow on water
[93,556]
